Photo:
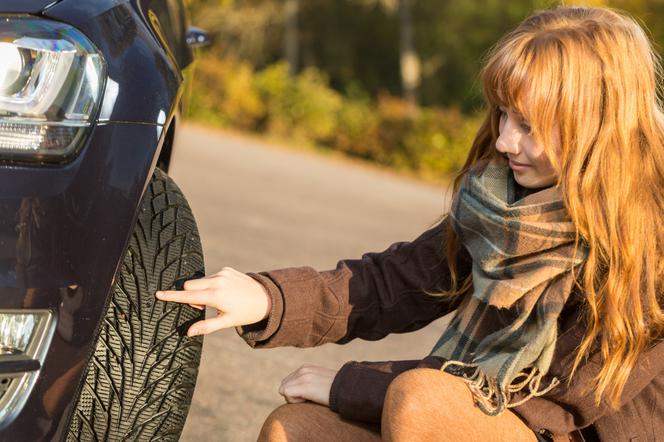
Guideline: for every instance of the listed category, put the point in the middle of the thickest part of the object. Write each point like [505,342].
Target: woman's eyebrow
[517,113]
[521,117]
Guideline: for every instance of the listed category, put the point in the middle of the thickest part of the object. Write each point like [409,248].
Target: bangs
[524,74]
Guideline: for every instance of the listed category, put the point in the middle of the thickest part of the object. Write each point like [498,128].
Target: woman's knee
[409,402]
[415,391]
[400,396]
[428,404]
[308,421]
[283,424]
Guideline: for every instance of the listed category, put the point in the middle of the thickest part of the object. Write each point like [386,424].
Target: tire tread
[140,380]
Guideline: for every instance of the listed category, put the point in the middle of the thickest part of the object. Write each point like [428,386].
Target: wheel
[140,380]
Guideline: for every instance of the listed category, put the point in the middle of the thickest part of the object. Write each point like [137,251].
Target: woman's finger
[210,325]
[299,385]
[290,392]
[282,389]
[291,377]
[293,393]
[199,297]
[198,283]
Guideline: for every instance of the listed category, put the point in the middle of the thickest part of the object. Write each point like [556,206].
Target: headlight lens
[16,331]
[12,68]
[51,80]
[25,337]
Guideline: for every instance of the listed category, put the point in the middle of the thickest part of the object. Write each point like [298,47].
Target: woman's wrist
[269,302]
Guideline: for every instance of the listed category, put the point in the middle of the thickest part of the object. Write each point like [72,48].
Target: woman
[551,258]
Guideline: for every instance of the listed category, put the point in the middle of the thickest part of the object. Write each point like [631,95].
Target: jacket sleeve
[359,388]
[369,298]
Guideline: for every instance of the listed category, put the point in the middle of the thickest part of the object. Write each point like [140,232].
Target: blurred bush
[304,108]
[226,94]
[429,141]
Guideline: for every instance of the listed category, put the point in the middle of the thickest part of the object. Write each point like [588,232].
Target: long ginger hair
[595,73]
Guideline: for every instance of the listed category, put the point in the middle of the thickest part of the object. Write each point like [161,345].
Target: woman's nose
[508,141]
[506,146]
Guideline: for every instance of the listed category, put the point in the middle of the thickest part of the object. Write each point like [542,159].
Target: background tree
[291,37]
[409,60]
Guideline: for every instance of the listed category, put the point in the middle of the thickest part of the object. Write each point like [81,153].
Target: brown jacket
[383,293]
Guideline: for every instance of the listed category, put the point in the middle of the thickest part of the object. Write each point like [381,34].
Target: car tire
[140,379]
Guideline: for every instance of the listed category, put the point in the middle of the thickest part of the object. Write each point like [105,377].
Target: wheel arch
[164,158]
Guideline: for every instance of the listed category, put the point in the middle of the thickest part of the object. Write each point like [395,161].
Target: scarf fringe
[492,399]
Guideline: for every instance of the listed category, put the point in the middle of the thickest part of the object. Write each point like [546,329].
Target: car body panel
[167,20]
[62,233]
[143,81]
[25,6]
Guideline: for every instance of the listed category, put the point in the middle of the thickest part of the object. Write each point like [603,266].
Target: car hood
[25,6]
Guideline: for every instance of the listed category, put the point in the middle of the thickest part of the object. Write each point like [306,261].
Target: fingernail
[157,294]
[192,332]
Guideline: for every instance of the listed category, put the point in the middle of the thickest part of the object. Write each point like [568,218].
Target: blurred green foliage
[346,94]
[304,107]
[231,93]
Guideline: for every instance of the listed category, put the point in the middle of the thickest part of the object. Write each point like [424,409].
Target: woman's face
[530,166]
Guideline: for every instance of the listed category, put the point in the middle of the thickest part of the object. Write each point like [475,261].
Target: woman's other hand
[309,382]
[238,298]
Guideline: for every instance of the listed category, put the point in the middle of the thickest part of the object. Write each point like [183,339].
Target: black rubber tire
[140,380]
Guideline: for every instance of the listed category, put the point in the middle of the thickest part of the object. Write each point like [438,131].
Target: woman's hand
[309,382]
[238,298]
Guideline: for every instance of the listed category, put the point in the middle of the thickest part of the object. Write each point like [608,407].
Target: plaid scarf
[502,337]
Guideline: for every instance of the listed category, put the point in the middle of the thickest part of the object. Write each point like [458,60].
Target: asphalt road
[261,207]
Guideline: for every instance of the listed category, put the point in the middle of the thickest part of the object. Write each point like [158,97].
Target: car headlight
[25,337]
[51,84]
[15,332]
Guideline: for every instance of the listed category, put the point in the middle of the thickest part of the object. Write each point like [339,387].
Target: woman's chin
[530,182]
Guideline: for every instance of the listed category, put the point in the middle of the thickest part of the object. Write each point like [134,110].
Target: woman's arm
[359,388]
[369,298]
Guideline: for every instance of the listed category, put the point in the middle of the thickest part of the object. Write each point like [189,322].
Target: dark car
[91,93]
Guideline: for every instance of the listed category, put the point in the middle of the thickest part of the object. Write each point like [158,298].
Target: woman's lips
[518,166]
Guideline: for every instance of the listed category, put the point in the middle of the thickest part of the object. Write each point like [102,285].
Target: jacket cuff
[359,388]
[334,389]
[309,306]
[253,334]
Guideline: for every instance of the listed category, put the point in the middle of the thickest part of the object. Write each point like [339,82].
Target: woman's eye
[524,126]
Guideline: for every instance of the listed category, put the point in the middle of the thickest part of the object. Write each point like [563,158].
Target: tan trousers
[421,405]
